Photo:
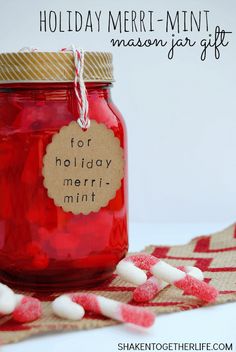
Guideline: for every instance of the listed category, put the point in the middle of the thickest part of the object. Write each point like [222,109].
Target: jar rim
[53,84]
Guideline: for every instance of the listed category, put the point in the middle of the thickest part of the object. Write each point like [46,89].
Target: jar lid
[53,67]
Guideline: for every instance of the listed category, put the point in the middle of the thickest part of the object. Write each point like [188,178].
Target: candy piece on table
[153,285]
[192,271]
[65,308]
[189,284]
[115,310]
[28,309]
[130,273]
[131,268]
[72,307]
[7,300]
[165,272]
[194,287]
[148,290]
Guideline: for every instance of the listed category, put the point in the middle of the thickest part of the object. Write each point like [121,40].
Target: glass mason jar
[43,247]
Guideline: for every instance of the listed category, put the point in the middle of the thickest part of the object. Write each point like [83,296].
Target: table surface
[214,324]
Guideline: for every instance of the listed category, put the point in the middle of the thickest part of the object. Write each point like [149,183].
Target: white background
[180,114]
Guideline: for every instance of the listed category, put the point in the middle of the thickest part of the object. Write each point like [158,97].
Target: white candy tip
[7,300]
[129,272]
[18,298]
[65,308]
[194,272]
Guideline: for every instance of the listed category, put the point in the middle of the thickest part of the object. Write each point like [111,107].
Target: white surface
[180,118]
[210,324]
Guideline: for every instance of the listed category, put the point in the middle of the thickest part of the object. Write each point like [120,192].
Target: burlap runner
[215,255]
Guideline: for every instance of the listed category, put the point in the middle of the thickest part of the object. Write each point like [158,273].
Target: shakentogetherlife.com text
[174,346]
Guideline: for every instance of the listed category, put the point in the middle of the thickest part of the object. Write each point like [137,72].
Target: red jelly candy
[29,309]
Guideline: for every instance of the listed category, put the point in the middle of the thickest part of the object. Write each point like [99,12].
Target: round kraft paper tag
[83,169]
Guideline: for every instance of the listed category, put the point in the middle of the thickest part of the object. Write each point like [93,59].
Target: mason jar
[43,247]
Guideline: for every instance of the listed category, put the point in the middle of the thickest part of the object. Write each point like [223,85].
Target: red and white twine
[79,85]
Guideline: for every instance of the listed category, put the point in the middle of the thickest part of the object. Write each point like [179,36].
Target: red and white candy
[23,309]
[65,308]
[109,308]
[131,269]
[149,289]
[27,309]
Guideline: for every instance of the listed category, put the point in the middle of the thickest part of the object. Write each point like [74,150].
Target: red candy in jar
[63,188]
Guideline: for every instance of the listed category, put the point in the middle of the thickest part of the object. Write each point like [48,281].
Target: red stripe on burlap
[201,263]
[11,325]
[203,246]
[161,252]
[216,270]
[156,304]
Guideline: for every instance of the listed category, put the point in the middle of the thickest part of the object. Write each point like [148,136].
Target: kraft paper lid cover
[51,66]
